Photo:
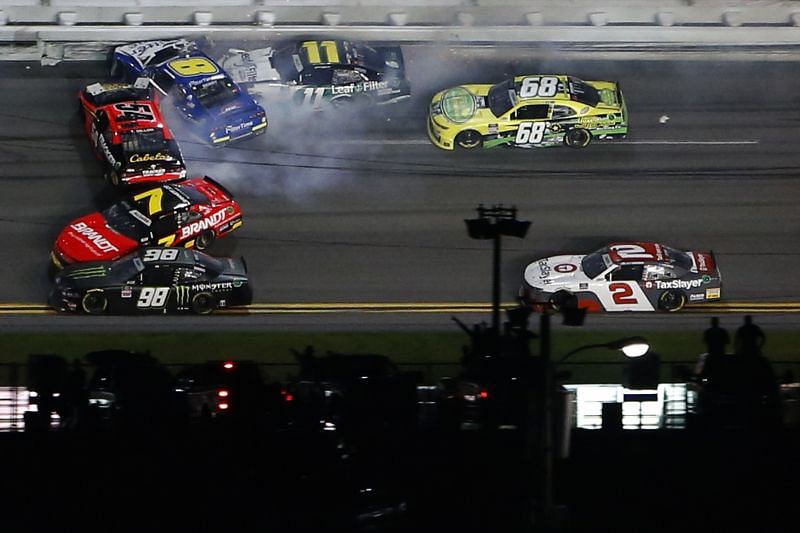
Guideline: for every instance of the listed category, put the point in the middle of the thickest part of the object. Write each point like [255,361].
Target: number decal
[161,255]
[313,96]
[154,205]
[546,86]
[193,66]
[153,297]
[622,294]
[631,251]
[167,241]
[132,111]
[313,50]
[530,132]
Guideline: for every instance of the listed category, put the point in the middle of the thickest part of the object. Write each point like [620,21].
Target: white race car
[623,276]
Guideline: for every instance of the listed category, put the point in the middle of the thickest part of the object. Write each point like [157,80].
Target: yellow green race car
[528,111]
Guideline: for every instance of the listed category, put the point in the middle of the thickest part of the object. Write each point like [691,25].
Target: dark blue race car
[203,91]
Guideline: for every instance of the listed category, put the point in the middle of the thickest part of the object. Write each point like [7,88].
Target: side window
[165,224]
[562,111]
[628,273]
[187,275]
[157,275]
[318,76]
[102,121]
[346,77]
[531,112]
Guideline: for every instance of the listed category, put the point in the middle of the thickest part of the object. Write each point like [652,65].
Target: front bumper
[439,136]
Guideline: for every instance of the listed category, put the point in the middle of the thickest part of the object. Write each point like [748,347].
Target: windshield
[124,218]
[215,92]
[583,92]
[679,258]
[143,141]
[594,264]
[502,98]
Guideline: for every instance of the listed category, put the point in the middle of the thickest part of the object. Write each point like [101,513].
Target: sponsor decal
[229,108]
[127,292]
[101,242]
[216,286]
[239,127]
[713,294]
[583,286]
[107,151]
[146,158]
[696,297]
[648,284]
[238,283]
[152,172]
[493,129]
[565,268]
[701,262]
[544,269]
[200,225]
[135,213]
[681,283]
[182,296]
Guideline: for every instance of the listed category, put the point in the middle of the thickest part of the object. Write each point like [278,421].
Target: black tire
[94,302]
[577,138]
[205,239]
[112,177]
[563,300]
[203,303]
[671,301]
[469,139]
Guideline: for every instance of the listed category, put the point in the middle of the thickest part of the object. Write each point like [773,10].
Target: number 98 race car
[623,276]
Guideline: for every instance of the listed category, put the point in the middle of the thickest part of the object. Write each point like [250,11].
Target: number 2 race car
[189,214]
[129,134]
[204,93]
[318,73]
[623,276]
[153,280]
[528,111]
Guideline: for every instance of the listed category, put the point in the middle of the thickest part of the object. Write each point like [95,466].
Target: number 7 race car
[623,276]
[153,280]
[527,112]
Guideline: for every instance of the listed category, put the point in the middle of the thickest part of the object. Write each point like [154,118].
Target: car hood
[90,239]
[556,271]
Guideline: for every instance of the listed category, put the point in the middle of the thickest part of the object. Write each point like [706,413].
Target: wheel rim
[672,301]
[204,241]
[578,138]
[94,303]
[469,139]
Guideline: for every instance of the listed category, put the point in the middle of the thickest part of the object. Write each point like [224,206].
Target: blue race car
[203,91]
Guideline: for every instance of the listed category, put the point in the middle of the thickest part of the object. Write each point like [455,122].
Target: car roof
[124,119]
[637,252]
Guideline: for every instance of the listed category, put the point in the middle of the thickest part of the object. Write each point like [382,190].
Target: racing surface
[362,208]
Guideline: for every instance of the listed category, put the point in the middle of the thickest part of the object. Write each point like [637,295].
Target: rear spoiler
[218,185]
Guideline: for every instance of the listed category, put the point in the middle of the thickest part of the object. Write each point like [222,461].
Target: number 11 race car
[623,276]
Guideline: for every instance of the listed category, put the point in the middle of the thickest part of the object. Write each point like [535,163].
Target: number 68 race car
[527,112]
[623,276]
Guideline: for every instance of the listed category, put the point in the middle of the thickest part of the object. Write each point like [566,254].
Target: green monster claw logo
[706,278]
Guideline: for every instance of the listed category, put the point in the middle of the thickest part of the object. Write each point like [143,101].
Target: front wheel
[112,176]
[671,301]
[203,303]
[563,300]
[578,138]
[469,139]
[94,302]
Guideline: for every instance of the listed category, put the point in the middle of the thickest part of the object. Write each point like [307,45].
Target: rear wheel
[204,240]
[112,176]
[94,302]
[203,303]
[577,138]
[671,301]
[469,139]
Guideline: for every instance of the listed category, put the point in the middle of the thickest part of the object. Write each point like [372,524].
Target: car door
[619,289]
[530,122]
[152,295]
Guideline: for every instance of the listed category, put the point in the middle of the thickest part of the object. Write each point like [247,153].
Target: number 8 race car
[623,276]
[527,112]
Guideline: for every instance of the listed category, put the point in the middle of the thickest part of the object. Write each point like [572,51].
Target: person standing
[749,338]
[716,338]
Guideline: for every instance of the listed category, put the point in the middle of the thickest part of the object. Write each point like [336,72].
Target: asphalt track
[363,210]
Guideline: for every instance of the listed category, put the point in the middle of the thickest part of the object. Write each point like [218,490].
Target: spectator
[749,338]
[716,338]
[75,397]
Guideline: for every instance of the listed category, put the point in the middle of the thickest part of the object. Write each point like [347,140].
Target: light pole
[630,346]
[492,223]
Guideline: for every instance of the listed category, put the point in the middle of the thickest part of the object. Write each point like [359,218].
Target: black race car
[153,280]
[320,73]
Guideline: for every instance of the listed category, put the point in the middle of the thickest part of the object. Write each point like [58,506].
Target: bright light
[222,393]
[223,406]
[484,394]
[635,350]
[228,365]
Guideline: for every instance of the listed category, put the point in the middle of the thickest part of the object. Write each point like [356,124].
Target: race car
[529,111]
[191,214]
[129,135]
[203,91]
[320,73]
[623,276]
[153,280]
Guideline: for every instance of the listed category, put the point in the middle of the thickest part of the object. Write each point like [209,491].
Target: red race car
[190,214]
[129,135]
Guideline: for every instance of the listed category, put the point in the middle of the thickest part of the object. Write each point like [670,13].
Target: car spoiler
[218,185]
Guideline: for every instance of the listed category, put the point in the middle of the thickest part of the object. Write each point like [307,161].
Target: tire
[577,138]
[112,176]
[671,301]
[94,302]
[204,240]
[563,300]
[203,303]
[469,139]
